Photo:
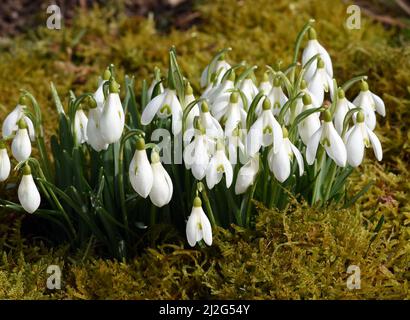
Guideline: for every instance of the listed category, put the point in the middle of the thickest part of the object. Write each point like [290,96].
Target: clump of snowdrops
[193,159]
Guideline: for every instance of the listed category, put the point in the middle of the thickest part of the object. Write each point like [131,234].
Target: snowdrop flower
[219,99]
[308,126]
[189,98]
[265,131]
[249,90]
[157,78]
[234,116]
[162,188]
[247,175]
[21,145]
[320,83]
[342,107]
[280,162]
[212,127]
[369,102]
[218,68]
[4,162]
[10,124]
[27,192]
[94,138]
[277,97]
[328,137]
[80,126]
[99,93]
[164,105]
[313,48]
[140,172]
[218,166]
[359,137]
[196,154]
[112,118]
[236,146]
[265,86]
[198,226]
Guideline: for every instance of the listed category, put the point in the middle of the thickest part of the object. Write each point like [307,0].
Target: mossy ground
[300,253]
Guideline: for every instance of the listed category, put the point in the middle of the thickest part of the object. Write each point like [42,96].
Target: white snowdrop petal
[312,146]
[377,147]
[355,147]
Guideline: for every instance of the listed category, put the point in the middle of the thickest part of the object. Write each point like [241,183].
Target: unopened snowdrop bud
[265,131]
[249,89]
[247,175]
[112,119]
[313,48]
[280,162]
[310,124]
[21,145]
[198,226]
[369,102]
[211,125]
[99,93]
[4,162]
[164,105]
[320,82]
[328,137]
[342,107]
[140,172]
[94,138]
[80,126]
[162,188]
[265,86]
[218,166]
[28,194]
[359,137]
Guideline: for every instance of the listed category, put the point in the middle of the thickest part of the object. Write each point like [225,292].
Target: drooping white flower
[265,86]
[235,116]
[218,68]
[80,126]
[265,131]
[328,137]
[212,127]
[94,138]
[277,97]
[27,192]
[280,162]
[164,105]
[313,48]
[198,226]
[342,108]
[155,81]
[219,99]
[99,93]
[4,162]
[196,154]
[236,144]
[359,137]
[21,145]
[10,124]
[320,83]
[112,118]
[247,175]
[218,166]
[162,188]
[194,112]
[249,89]
[140,172]
[369,102]
[308,126]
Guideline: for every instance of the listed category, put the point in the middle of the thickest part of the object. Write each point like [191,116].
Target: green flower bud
[114,86]
[155,157]
[320,63]
[23,101]
[107,74]
[266,104]
[285,132]
[303,85]
[276,82]
[312,34]
[340,93]
[22,124]
[364,86]
[188,89]
[204,107]
[231,76]
[265,77]
[360,117]
[327,116]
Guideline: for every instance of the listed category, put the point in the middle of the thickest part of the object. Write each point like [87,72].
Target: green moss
[298,253]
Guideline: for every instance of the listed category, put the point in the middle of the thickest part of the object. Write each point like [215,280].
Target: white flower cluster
[215,134]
